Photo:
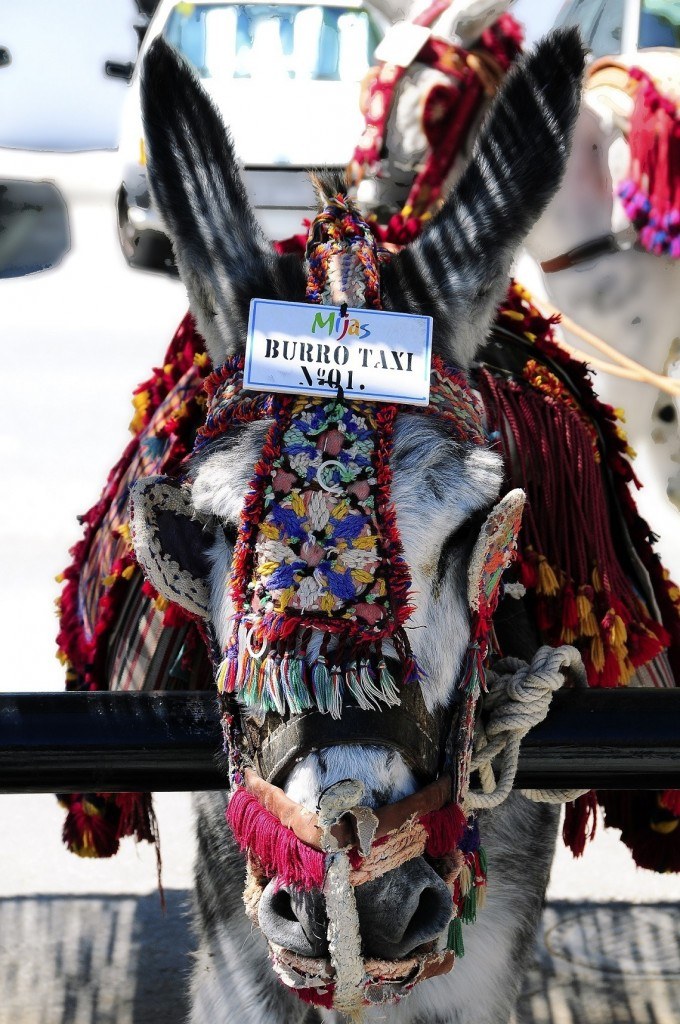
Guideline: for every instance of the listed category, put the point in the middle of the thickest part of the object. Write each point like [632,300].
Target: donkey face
[442,488]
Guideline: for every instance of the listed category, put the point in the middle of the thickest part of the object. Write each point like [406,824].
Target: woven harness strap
[408,728]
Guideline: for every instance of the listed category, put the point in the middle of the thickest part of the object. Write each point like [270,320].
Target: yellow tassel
[547,580]
[620,414]
[125,532]
[87,849]
[201,359]
[61,658]
[465,879]
[626,669]
[59,578]
[221,673]
[512,314]
[596,581]
[270,532]
[268,568]
[664,828]
[481,897]
[568,635]
[108,581]
[618,633]
[140,403]
[327,603]
[597,653]
[160,603]
[128,572]
[586,618]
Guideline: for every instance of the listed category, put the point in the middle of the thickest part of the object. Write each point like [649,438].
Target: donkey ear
[171,543]
[457,270]
[222,255]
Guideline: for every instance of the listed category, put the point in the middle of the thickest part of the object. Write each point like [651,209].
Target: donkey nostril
[294,920]
[429,910]
[282,906]
[402,910]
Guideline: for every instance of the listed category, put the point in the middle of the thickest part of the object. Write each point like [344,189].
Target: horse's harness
[448,110]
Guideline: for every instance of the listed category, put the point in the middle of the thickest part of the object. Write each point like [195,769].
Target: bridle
[312,661]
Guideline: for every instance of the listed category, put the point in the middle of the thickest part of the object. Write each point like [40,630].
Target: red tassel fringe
[580,823]
[283,856]
[445,829]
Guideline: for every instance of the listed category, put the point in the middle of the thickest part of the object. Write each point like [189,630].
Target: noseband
[317,651]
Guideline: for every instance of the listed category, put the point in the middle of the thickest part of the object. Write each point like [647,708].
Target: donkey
[579,255]
[443,484]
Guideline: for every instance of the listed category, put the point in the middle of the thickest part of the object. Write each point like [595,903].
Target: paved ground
[84,942]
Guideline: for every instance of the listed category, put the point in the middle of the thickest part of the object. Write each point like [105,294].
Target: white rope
[519,698]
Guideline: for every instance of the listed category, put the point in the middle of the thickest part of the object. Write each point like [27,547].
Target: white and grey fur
[456,271]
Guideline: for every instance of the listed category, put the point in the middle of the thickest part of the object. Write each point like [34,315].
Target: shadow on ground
[119,960]
[605,963]
[94,959]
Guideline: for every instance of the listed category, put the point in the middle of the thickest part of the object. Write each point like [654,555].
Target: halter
[447,114]
[318,653]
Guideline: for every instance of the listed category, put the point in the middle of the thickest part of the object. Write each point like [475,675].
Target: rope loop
[518,699]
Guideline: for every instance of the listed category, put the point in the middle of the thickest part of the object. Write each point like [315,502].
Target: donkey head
[442,478]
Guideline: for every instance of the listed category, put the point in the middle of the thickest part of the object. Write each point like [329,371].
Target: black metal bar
[118,742]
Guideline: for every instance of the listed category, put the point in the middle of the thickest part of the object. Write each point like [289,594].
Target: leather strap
[305,824]
[603,246]
[408,728]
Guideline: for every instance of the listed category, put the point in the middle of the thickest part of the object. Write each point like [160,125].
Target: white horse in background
[624,295]
[627,297]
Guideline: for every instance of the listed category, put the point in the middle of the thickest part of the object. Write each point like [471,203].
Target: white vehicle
[612,27]
[280,74]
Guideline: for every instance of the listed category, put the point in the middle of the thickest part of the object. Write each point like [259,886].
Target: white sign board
[303,348]
[402,43]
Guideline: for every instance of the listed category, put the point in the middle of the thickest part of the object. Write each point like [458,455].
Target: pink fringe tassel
[445,829]
[282,855]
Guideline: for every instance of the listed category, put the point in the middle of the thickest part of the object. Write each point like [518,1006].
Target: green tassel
[298,690]
[481,853]
[388,685]
[321,684]
[355,688]
[455,937]
[468,914]
[271,684]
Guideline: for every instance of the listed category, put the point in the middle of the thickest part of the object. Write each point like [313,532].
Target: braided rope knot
[518,699]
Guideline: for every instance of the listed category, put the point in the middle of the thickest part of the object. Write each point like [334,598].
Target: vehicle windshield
[659,23]
[261,41]
[600,22]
